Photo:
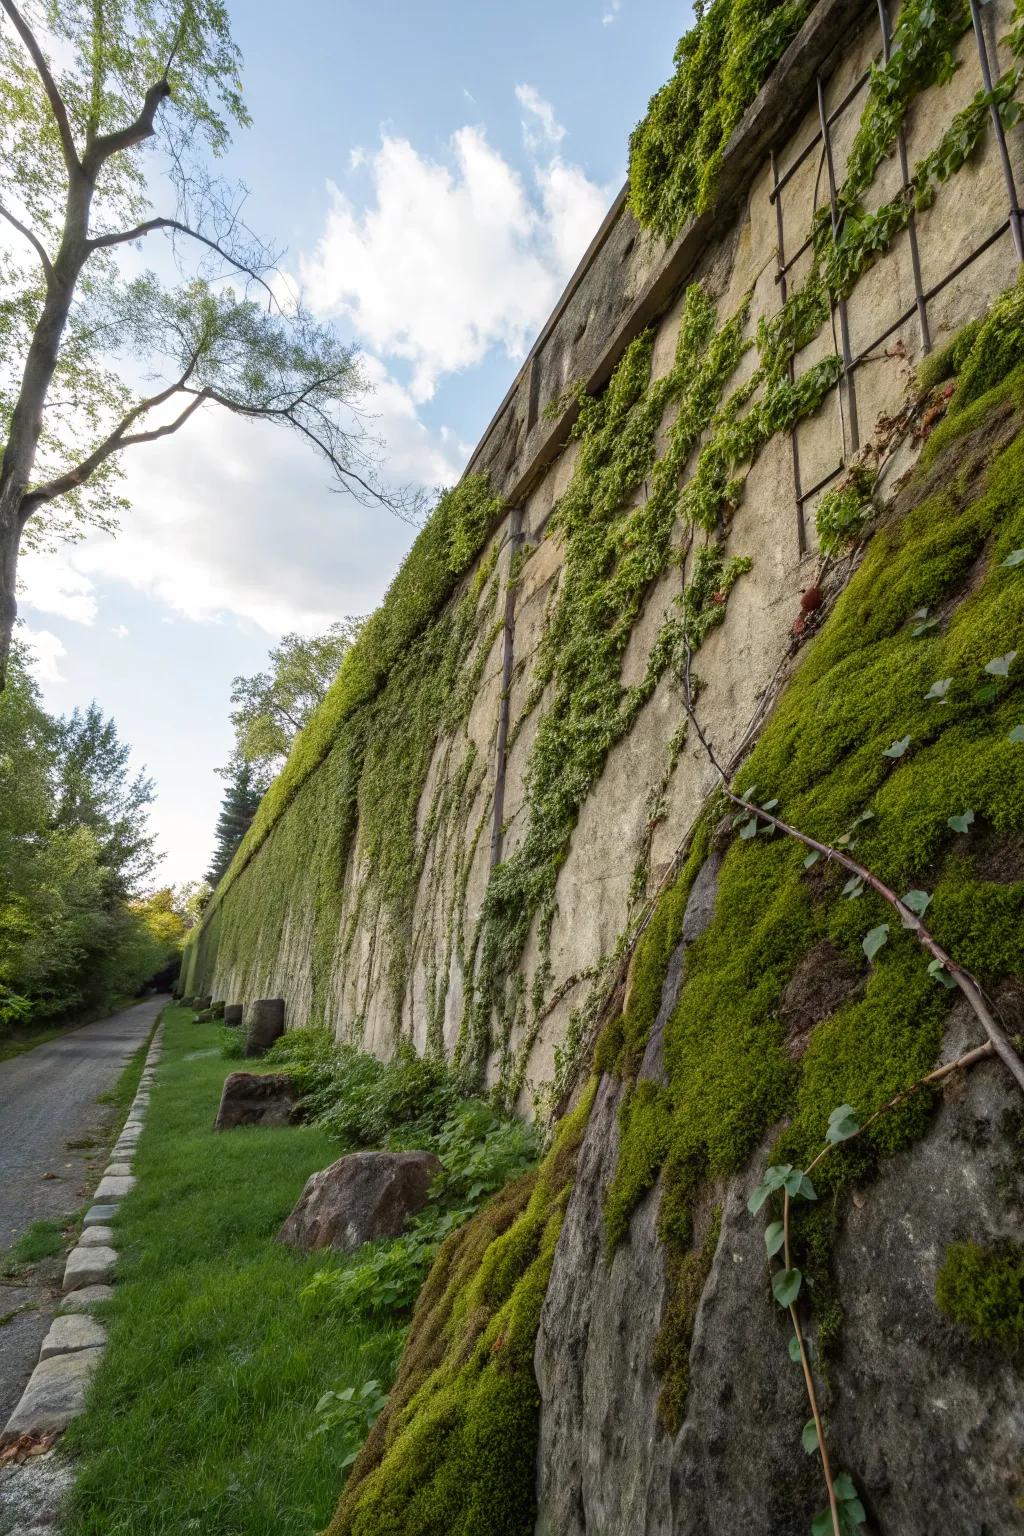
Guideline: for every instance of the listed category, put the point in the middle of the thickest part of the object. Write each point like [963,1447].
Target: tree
[136,77]
[191,900]
[94,790]
[246,788]
[273,706]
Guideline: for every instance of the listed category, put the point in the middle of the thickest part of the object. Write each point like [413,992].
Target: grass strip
[201,1415]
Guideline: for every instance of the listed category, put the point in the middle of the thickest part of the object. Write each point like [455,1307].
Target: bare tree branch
[56,100]
[101,149]
[36,243]
[122,237]
[118,439]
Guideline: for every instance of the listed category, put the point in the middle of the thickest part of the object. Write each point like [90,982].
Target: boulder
[203,1002]
[204,1016]
[254,1098]
[266,1024]
[217,1009]
[69,1334]
[232,1015]
[359,1199]
[54,1396]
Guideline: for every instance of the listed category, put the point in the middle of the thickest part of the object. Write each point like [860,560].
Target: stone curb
[71,1351]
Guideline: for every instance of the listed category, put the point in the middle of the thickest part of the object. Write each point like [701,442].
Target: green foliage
[987,352]
[455,1449]
[73,846]
[721,64]
[272,707]
[351,1413]
[245,788]
[982,1289]
[843,512]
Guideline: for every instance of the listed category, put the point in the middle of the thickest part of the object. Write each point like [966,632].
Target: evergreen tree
[245,789]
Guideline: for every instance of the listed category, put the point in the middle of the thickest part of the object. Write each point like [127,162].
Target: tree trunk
[27,416]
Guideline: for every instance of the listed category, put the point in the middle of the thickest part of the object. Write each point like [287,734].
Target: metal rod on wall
[901,144]
[515,535]
[780,278]
[997,123]
[844,326]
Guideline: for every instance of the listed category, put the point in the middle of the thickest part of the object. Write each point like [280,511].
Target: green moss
[985,357]
[982,1289]
[455,1450]
[822,755]
[686,1274]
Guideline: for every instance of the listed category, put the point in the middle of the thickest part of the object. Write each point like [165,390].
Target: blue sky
[434,173]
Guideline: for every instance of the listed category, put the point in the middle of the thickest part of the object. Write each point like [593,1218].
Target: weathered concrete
[115,1187]
[97,1237]
[99,1215]
[88,1296]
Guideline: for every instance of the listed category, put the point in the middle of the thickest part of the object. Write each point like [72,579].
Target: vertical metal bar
[844,325]
[997,123]
[780,257]
[515,535]
[901,145]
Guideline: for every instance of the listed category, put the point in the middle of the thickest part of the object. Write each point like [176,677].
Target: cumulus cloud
[53,585]
[450,260]
[45,651]
[238,518]
[611,12]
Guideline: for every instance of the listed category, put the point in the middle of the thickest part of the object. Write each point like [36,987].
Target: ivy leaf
[961,822]
[1016,736]
[769,805]
[786,1286]
[853,887]
[917,901]
[864,816]
[758,1198]
[919,613]
[938,690]
[924,627]
[748,792]
[874,940]
[794,1349]
[798,1186]
[999,666]
[814,855]
[842,1124]
[938,972]
[843,1485]
[898,747]
[749,828]
[1015,557]
[821,1525]
[809,1437]
[774,1237]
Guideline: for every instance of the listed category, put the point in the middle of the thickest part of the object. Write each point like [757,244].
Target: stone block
[88,1266]
[88,1296]
[121,1170]
[71,1333]
[99,1215]
[97,1237]
[54,1396]
[115,1188]
[256,1098]
[233,1015]
[266,1024]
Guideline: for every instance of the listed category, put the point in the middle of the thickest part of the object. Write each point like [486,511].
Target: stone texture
[254,1098]
[73,1332]
[360,1198]
[233,1015]
[99,1215]
[97,1237]
[266,1024]
[88,1296]
[88,1266]
[121,1170]
[114,1187]
[55,1394]
[929,1424]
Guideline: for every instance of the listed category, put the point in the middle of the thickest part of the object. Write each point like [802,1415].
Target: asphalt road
[54,1139]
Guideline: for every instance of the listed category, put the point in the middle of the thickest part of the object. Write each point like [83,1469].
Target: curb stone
[71,1351]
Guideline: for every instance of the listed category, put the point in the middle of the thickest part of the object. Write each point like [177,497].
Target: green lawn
[201,1414]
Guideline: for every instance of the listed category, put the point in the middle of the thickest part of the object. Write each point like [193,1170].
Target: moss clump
[983,355]
[455,1449]
[686,1275]
[982,1289]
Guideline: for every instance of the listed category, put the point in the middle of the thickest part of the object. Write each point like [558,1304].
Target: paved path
[53,1143]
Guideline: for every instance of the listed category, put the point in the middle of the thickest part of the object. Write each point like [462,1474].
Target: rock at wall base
[256,1098]
[71,1333]
[217,1009]
[359,1199]
[88,1266]
[88,1296]
[232,1015]
[266,1024]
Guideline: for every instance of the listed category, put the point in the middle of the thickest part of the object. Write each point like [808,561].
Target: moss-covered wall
[367,893]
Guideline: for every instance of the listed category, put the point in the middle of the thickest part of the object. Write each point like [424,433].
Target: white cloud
[235,518]
[45,649]
[120,630]
[450,260]
[612,11]
[540,125]
[50,583]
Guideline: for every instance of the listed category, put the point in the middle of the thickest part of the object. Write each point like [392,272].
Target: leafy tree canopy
[273,706]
